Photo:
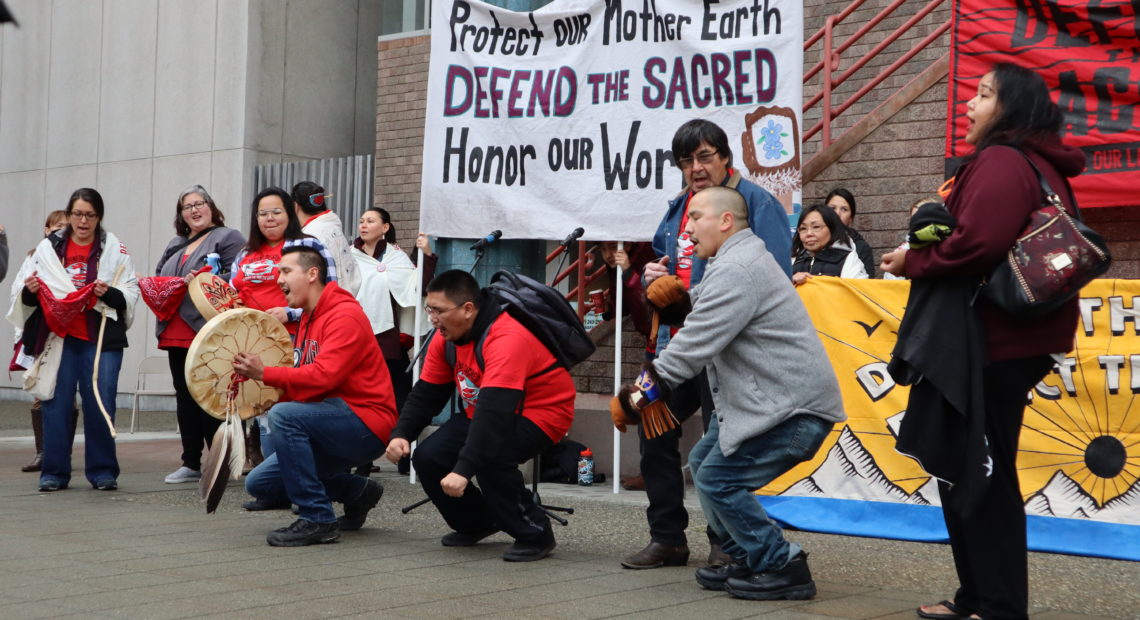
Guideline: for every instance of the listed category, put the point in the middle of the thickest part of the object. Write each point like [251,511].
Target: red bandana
[163,295]
[59,313]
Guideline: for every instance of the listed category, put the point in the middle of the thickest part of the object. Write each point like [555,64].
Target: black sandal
[955,612]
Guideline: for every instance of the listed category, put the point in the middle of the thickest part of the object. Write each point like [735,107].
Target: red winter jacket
[992,198]
[340,359]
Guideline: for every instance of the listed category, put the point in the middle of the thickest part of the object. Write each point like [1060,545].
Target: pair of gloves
[643,402]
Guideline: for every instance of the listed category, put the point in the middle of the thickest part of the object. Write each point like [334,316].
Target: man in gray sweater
[775,395]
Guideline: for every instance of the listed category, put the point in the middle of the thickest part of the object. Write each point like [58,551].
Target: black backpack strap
[1049,193]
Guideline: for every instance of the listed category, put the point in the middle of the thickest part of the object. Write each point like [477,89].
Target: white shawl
[393,276]
[48,267]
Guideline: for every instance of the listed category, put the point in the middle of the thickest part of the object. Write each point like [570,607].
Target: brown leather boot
[38,430]
[656,554]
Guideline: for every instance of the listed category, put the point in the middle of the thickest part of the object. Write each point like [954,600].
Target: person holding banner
[701,150]
[1012,117]
[775,395]
[75,309]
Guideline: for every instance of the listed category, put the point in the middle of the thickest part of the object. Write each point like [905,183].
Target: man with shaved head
[774,393]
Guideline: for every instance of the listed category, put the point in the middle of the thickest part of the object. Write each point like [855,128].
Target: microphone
[572,237]
[488,240]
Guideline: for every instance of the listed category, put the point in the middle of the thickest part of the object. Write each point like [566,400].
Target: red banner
[1089,54]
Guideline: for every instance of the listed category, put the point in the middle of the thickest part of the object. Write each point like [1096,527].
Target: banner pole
[618,291]
[417,338]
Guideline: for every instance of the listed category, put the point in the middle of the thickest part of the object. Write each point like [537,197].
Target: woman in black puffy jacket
[821,247]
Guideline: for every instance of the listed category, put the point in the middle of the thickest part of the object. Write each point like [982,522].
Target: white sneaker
[184,474]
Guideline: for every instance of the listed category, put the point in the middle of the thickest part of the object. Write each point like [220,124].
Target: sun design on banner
[1080,443]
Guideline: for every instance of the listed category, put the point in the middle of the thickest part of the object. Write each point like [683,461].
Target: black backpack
[544,312]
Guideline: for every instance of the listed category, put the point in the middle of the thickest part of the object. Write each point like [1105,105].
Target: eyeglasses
[436,312]
[270,213]
[705,157]
[84,215]
[194,205]
[813,228]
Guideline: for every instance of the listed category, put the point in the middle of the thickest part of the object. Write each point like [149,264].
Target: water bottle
[214,261]
[586,468]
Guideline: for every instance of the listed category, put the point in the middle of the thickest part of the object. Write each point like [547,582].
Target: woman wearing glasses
[273,226]
[199,231]
[79,275]
[821,247]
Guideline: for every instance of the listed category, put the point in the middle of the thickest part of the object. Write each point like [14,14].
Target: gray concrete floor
[150,551]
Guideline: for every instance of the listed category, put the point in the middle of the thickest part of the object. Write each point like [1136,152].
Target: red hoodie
[992,198]
[340,359]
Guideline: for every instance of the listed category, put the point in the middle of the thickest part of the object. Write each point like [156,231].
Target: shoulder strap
[181,246]
[1050,195]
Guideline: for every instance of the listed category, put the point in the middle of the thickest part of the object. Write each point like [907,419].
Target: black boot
[792,582]
[37,430]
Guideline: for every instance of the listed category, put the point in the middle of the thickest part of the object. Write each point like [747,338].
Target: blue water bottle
[586,468]
[215,263]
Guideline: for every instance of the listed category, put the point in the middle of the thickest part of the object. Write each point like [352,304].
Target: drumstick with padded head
[98,353]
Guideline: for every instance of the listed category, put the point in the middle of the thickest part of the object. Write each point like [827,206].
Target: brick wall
[892,167]
[401,101]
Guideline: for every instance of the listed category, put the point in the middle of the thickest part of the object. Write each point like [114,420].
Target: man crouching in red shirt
[336,412]
[518,401]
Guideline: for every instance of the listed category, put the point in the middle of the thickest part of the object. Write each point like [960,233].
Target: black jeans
[196,426]
[661,470]
[989,544]
[501,500]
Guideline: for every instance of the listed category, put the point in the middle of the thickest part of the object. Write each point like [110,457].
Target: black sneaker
[303,532]
[792,582]
[463,539]
[257,505]
[356,512]
[49,485]
[713,577]
[106,485]
[522,551]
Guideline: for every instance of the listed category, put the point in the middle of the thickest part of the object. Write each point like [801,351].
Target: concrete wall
[140,99]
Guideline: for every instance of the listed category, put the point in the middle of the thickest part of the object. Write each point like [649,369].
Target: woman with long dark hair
[842,201]
[821,247]
[388,291]
[1012,121]
[87,266]
[199,231]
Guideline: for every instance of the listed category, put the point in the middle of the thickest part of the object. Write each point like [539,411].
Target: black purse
[1054,257]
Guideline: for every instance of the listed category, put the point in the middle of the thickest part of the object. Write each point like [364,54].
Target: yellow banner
[1080,444]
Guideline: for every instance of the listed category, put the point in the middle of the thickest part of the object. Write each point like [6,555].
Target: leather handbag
[1054,257]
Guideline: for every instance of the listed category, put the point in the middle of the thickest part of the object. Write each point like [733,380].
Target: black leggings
[196,426]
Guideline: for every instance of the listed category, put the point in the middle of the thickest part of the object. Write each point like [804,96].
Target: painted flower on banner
[771,140]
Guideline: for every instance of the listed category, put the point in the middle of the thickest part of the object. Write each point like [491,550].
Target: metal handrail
[584,268]
[829,64]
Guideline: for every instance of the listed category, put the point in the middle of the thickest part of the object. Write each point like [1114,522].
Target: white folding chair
[150,366]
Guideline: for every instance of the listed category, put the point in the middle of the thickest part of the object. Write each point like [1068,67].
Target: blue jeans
[316,446]
[75,369]
[726,485]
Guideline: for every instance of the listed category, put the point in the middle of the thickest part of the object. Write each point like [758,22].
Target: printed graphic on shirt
[306,354]
[76,265]
[468,390]
[259,272]
[684,254]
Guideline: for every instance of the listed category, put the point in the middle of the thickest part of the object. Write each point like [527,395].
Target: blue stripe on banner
[924,524]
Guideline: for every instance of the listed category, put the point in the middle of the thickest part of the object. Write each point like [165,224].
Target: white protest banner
[541,122]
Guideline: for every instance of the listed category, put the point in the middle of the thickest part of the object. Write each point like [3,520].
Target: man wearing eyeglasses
[701,151]
[518,401]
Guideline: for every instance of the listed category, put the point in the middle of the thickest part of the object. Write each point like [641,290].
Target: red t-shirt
[513,358]
[75,258]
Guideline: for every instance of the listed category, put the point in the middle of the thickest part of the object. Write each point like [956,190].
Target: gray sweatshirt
[751,331]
